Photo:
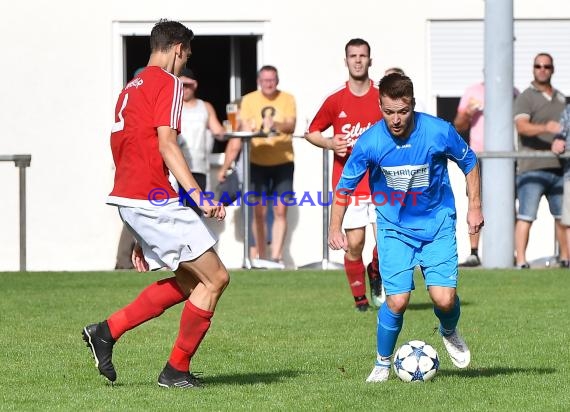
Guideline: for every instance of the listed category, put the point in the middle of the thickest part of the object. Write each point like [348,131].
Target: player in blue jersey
[406,155]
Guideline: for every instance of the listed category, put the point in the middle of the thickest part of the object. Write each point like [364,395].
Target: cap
[187,73]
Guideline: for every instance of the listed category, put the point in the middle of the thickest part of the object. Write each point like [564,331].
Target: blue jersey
[408,177]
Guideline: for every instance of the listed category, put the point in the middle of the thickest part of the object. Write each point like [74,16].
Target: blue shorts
[400,254]
[532,185]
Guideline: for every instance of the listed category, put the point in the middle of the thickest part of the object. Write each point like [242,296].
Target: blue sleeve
[459,151]
[355,167]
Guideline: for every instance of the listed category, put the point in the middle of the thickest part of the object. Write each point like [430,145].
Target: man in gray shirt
[537,111]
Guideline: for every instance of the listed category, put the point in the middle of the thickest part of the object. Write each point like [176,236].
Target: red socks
[151,302]
[355,273]
[194,323]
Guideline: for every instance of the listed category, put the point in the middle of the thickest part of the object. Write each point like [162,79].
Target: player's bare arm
[337,239]
[337,143]
[174,160]
[474,211]
[340,144]
[139,262]
[317,139]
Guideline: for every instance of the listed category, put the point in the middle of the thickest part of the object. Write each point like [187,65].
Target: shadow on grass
[429,305]
[250,378]
[490,372]
[208,381]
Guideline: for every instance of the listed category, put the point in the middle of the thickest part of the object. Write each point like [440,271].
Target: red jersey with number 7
[349,115]
[152,99]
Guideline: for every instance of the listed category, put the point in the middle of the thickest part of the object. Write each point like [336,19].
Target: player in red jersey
[351,110]
[168,234]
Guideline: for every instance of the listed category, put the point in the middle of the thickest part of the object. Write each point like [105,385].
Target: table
[246,140]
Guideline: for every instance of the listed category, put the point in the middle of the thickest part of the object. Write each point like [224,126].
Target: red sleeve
[324,117]
[168,107]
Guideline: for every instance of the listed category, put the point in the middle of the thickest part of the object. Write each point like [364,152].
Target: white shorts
[360,215]
[169,234]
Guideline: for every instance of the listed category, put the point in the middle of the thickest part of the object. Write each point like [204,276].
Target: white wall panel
[457,53]
[60,84]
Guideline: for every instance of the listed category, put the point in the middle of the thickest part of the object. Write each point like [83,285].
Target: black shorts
[270,179]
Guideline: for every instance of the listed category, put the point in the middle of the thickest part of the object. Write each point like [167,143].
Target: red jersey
[351,116]
[152,99]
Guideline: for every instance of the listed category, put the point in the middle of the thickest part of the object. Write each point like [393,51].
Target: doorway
[213,65]
[447,109]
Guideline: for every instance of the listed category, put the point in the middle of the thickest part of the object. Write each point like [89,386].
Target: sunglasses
[544,66]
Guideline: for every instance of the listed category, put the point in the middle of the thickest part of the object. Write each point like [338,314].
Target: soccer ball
[416,361]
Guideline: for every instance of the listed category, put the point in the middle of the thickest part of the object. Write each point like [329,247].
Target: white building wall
[58,93]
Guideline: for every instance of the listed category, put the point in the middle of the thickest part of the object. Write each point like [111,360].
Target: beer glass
[231,111]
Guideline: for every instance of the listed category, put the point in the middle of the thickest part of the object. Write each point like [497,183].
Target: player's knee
[397,303]
[226,278]
[354,249]
[221,280]
[355,246]
[445,303]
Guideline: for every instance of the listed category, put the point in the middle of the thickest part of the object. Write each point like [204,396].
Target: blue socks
[389,327]
[448,320]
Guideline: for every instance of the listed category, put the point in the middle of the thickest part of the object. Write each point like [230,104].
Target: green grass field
[284,341]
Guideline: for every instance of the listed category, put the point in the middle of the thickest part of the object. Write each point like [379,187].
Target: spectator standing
[537,113]
[273,112]
[199,123]
[470,117]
